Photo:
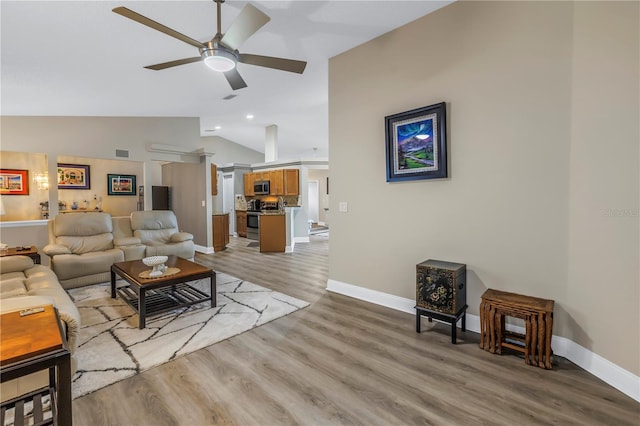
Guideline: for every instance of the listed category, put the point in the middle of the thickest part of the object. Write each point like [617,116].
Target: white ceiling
[78,58]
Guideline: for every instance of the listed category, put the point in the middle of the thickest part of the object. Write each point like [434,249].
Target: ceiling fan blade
[234,79]
[128,13]
[246,24]
[282,64]
[164,65]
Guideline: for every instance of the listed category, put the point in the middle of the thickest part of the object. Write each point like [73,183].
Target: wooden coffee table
[150,296]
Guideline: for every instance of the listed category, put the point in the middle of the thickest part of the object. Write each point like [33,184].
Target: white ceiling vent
[122,153]
[226,98]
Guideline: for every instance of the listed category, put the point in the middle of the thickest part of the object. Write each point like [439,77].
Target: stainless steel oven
[253,225]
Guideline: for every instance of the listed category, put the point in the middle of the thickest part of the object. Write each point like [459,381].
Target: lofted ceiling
[78,58]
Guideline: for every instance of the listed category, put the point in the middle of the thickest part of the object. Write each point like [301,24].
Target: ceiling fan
[221,52]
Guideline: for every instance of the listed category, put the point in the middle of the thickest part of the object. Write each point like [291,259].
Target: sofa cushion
[86,244]
[155,237]
[183,250]
[179,237]
[126,241]
[15,263]
[55,249]
[12,287]
[67,266]
[154,219]
[83,224]
[121,227]
[40,277]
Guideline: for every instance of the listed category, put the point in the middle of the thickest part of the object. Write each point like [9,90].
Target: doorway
[313,213]
[228,201]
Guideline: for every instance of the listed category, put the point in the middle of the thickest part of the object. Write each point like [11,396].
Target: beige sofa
[83,246]
[158,232]
[25,285]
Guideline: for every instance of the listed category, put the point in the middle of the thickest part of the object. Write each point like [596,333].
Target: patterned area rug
[112,348]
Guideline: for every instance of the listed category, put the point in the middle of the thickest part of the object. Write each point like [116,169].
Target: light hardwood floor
[341,362]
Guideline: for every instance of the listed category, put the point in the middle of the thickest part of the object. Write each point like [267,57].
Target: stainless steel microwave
[261,187]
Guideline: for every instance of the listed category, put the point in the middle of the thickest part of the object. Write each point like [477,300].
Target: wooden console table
[28,344]
[537,314]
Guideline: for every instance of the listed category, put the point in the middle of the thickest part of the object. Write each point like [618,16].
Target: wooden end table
[150,296]
[28,344]
[31,251]
[537,313]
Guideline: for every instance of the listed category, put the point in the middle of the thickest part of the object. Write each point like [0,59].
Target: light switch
[342,206]
[203,203]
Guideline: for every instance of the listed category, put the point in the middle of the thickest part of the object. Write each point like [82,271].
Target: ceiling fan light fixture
[219,60]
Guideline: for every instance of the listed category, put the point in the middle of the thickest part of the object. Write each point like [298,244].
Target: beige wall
[115,205]
[187,184]
[603,291]
[24,207]
[542,104]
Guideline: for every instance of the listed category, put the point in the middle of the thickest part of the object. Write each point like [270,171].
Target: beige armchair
[158,231]
[81,248]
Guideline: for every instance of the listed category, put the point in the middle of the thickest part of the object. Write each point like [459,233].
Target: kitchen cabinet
[276,177]
[241,223]
[249,178]
[291,182]
[220,231]
[273,236]
[282,182]
[260,176]
[214,179]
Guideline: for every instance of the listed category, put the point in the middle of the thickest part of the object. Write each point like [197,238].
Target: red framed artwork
[14,182]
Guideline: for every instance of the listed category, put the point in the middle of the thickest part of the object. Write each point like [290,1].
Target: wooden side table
[31,251]
[31,343]
[537,314]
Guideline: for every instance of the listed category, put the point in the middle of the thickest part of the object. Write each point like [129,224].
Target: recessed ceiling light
[218,127]
[249,116]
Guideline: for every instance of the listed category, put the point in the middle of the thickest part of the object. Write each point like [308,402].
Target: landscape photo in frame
[416,144]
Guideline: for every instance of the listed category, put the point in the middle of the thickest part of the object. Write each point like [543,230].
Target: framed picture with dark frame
[417,144]
[14,182]
[121,184]
[73,176]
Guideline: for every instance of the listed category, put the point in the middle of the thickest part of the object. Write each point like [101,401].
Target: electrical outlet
[342,206]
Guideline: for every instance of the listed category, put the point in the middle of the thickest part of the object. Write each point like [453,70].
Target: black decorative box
[441,286]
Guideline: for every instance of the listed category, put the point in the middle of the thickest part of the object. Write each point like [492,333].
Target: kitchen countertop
[219,214]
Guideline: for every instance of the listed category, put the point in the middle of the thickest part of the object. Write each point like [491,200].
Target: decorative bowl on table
[158,264]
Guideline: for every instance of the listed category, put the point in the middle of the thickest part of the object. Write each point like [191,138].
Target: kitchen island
[220,226]
[273,235]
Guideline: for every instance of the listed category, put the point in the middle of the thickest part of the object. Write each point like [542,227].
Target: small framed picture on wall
[417,144]
[14,182]
[73,176]
[121,184]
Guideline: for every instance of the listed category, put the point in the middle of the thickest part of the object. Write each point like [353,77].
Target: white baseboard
[301,239]
[289,249]
[205,250]
[616,376]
